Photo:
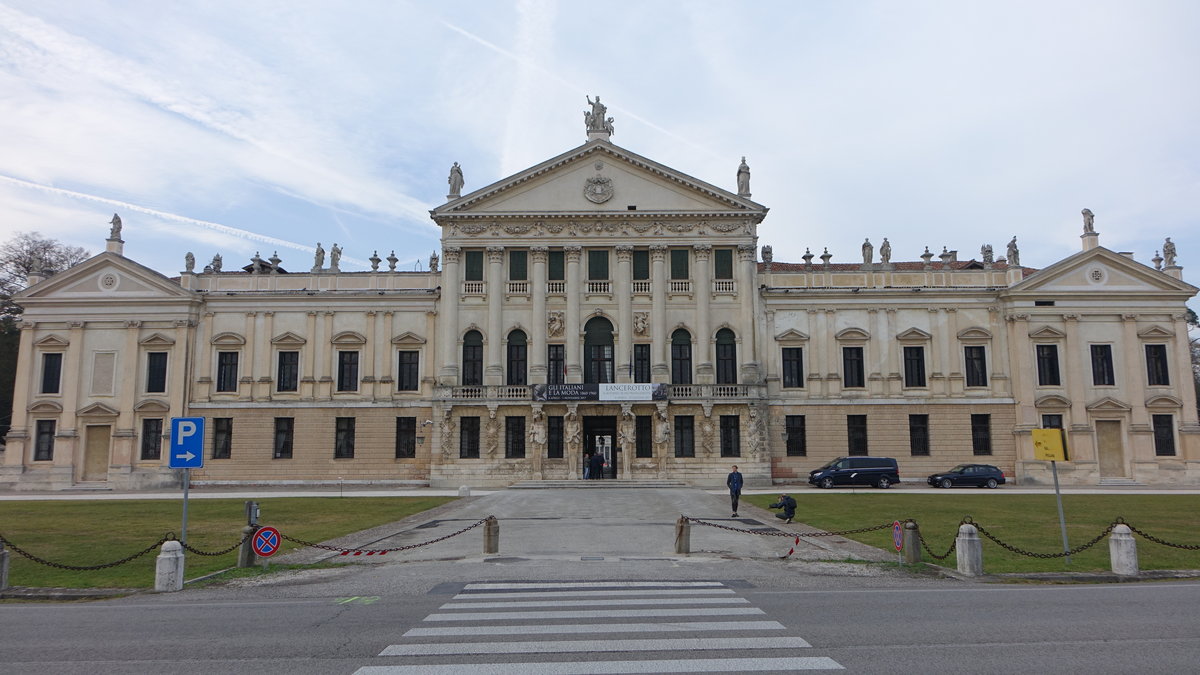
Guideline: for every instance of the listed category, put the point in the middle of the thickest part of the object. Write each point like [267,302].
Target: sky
[262,126]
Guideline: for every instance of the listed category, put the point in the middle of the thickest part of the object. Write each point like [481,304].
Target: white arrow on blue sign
[187,443]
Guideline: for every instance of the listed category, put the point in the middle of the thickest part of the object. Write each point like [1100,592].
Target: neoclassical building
[603,302]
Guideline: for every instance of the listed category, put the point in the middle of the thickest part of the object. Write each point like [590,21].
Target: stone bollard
[683,536]
[912,543]
[1122,551]
[168,569]
[464,491]
[246,557]
[969,549]
[3,566]
[491,535]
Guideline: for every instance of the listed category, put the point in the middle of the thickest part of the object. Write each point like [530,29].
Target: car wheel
[884,483]
[991,483]
[946,483]
[826,483]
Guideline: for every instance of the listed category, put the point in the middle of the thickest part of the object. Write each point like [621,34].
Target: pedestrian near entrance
[789,508]
[596,466]
[734,481]
[587,466]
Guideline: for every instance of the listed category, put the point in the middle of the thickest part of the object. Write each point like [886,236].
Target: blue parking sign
[187,443]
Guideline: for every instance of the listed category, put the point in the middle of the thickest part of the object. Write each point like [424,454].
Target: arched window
[726,357]
[598,351]
[681,357]
[516,357]
[472,361]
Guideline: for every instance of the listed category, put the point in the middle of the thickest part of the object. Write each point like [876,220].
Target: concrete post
[969,551]
[168,568]
[1122,551]
[683,536]
[912,543]
[464,491]
[246,557]
[491,535]
[3,567]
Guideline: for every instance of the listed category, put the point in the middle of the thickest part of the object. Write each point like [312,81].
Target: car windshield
[960,468]
[830,465]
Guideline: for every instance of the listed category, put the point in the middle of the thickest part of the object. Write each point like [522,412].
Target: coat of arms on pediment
[598,189]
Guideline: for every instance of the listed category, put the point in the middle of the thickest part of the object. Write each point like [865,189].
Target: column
[954,361]
[249,369]
[537,329]
[1183,383]
[833,354]
[660,371]
[325,358]
[1001,368]
[262,361]
[704,338]
[384,375]
[893,364]
[23,385]
[177,377]
[571,332]
[448,329]
[943,364]
[624,355]
[202,364]
[125,431]
[1076,365]
[876,352]
[1022,368]
[308,378]
[746,273]
[368,372]
[72,373]
[493,372]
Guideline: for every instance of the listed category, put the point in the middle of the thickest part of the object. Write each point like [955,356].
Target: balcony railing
[474,288]
[556,288]
[523,392]
[599,287]
[642,287]
[725,286]
[518,288]
[681,286]
[685,391]
[487,392]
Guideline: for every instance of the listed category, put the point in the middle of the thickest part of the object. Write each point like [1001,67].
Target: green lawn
[94,532]
[1029,522]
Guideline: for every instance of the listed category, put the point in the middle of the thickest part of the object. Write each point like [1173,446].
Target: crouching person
[789,508]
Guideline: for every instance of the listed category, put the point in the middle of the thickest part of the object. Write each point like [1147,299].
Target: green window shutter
[679,263]
[641,265]
[474,266]
[723,263]
[517,265]
[598,265]
[556,266]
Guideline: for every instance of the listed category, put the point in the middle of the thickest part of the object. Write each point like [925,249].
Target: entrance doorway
[600,435]
[1110,449]
[95,453]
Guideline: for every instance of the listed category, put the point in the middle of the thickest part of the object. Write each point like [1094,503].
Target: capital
[451,254]
[495,254]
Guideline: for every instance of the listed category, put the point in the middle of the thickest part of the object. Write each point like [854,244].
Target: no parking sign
[266,542]
[897,536]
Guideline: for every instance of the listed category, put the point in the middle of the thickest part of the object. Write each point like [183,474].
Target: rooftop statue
[868,251]
[318,258]
[189,262]
[885,252]
[743,179]
[595,119]
[115,232]
[455,180]
[1088,221]
[1168,252]
[1014,255]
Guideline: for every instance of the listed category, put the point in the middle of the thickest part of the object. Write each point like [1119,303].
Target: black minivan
[878,471]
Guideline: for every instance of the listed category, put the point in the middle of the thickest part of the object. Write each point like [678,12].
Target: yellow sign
[1049,445]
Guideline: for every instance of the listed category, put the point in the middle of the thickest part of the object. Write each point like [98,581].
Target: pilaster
[572,330]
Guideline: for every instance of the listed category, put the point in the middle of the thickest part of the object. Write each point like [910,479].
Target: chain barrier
[1030,554]
[1149,537]
[382,551]
[4,542]
[925,544]
[197,551]
[780,533]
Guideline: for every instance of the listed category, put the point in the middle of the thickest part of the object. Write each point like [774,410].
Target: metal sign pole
[1062,522]
[187,480]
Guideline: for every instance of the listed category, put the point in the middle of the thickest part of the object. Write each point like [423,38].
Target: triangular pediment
[156,340]
[791,335]
[45,407]
[1098,270]
[152,405]
[1047,333]
[1109,404]
[1155,333]
[288,339]
[107,278]
[52,342]
[408,338]
[349,337]
[228,339]
[97,410]
[600,177]
[914,335]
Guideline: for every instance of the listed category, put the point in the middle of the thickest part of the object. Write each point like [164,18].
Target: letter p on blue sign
[187,443]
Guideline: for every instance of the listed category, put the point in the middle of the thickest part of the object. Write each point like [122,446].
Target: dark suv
[878,471]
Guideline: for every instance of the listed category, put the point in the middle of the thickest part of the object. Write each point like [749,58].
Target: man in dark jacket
[788,505]
[596,466]
[734,481]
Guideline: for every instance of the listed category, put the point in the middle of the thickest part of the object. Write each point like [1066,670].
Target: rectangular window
[796,435]
[852,367]
[599,364]
[1047,365]
[408,377]
[726,362]
[518,265]
[156,372]
[472,375]
[856,434]
[1164,435]
[473,265]
[914,366]
[731,437]
[681,363]
[43,447]
[152,439]
[468,437]
[793,367]
[556,364]
[51,373]
[222,440]
[918,435]
[554,437]
[347,377]
[285,429]
[976,362]
[641,363]
[1156,366]
[556,266]
[981,434]
[1102,366]
[643,436]
[227,371]
[598,265]
[287,372]
[343,441]
[516,363]
[514,437]
[679,263]
[641,265]
[723,263]
[1052,421]
[406,437]
[685,436]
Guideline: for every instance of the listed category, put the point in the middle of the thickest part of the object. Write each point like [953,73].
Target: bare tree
[27,253]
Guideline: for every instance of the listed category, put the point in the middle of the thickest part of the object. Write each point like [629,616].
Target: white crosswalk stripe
[733,647]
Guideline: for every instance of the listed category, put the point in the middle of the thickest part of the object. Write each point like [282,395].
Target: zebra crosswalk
[534,628]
